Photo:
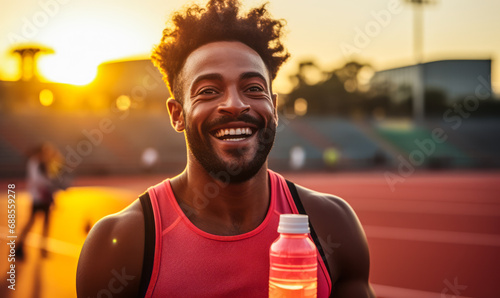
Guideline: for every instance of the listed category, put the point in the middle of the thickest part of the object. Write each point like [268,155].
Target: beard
[241,167]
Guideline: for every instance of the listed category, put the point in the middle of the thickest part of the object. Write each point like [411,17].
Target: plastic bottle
[293,261]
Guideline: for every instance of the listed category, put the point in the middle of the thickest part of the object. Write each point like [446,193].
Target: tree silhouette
[336,93]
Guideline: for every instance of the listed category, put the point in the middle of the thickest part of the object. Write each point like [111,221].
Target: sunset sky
[84,33]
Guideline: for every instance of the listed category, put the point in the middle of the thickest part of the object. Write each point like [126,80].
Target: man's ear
[275,104]
[176,114]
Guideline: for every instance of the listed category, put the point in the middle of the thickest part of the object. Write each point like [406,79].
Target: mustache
[225,119]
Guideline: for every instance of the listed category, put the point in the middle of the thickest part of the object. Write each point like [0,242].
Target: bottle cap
[293,224]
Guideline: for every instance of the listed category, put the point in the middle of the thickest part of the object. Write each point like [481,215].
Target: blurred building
[125,85]
[444,83]
[139,80]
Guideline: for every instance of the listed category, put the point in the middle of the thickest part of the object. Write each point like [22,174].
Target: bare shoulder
[319,200]
[343,241]
[331,213]
[110,262]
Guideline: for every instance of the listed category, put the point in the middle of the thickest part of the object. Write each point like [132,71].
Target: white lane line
[52,245]
[383,291]
[432,236]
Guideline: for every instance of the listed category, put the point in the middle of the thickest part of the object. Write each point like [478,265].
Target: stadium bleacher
[118,149]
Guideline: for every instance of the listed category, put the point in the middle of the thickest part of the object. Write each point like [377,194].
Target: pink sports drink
[293,261]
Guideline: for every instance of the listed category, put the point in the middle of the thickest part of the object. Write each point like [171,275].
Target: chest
[194,266]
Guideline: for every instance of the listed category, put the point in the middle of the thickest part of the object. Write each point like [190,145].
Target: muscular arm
[110,262]
[343,241]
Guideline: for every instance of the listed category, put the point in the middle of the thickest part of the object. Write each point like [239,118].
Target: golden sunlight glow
[123,102]
[69,70]
[98,101]
[80,46]
[300,106]
[46,97]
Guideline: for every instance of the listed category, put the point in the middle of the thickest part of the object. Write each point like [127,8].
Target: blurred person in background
[207,231]
[44,177]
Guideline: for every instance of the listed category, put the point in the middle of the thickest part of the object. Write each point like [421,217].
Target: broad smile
[234,132]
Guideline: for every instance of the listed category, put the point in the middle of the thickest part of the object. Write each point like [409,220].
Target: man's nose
[234,104]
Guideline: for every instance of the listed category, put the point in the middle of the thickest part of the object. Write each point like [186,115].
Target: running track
[436,234]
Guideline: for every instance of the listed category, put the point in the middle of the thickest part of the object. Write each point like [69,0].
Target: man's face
[229,111]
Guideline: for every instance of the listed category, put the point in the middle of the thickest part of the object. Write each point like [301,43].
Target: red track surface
[436,234]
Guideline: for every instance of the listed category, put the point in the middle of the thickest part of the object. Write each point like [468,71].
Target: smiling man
[207,231]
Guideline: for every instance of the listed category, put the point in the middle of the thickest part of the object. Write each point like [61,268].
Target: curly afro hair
[219,21]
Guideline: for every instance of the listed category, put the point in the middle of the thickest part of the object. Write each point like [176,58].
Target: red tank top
[189,262]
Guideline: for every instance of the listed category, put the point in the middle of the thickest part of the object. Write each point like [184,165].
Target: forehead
[227,58]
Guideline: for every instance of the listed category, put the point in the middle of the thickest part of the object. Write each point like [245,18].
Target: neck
[218,207]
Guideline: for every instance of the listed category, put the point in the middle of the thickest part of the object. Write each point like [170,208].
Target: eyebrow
[210,76]
[249,75]
[218,77]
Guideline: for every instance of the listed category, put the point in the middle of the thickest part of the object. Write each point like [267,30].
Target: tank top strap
[285,204]
[281,194]
[167,207]
[164,216]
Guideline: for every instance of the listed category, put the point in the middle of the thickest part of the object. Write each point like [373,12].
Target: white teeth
[234,132]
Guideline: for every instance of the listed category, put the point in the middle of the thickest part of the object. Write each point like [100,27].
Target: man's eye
[255,89]
[207,91]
